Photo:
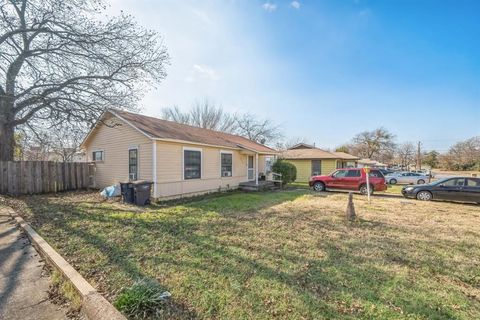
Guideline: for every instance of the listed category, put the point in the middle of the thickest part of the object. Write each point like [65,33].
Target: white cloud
[295,4]
[202,72]
[269,7]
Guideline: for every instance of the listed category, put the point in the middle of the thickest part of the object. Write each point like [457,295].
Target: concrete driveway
[23,283]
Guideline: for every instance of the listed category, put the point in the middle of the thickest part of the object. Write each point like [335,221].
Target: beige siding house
[180,160]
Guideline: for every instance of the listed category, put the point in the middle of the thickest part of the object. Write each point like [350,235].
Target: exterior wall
[170,182]
[115,142]
[304,168]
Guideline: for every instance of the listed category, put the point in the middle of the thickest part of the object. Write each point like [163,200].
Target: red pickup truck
[350,179]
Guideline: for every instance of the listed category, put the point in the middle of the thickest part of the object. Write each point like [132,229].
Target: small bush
[288,171]
[144,299]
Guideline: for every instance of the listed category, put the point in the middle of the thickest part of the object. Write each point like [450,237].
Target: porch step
[262,186]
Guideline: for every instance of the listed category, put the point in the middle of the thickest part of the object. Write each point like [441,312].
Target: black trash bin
[127,192]
[142,190]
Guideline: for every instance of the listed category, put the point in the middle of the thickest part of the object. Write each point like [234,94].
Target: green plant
[286,169]
[144,299]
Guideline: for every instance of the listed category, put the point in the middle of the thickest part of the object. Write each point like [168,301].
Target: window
[473,182]
[316,167]
[192,164]
[459,182]
[375,174]
[133,164]
[226,166]
[353,173]
[340,174]
[97,156]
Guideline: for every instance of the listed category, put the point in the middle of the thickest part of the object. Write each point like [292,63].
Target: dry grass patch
[287,255]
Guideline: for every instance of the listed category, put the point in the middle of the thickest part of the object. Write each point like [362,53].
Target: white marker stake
[367,173]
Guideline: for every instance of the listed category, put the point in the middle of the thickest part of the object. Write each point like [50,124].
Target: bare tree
[64,62]
[378,143]
[259,130]
[175,114]
[207,115]
[463,155]
[405,154]
[203,114]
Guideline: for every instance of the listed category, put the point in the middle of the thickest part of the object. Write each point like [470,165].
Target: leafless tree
[61,144]
[175,114]
[205,114]
[405,154]
[378,144]
[259,130]
[463,155]
[66,62]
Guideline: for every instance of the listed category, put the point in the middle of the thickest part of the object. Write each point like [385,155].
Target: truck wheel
[424,196]
[319,186]
[364,190]
[393,181]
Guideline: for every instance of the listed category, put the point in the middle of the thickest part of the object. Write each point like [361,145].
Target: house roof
[315,153]
[159,129]
[345,156]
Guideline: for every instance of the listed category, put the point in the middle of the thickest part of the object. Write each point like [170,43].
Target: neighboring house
[180,160]
[371,163]
[311,161]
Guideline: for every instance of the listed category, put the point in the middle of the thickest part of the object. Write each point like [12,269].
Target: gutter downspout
[154,168]
[256,169]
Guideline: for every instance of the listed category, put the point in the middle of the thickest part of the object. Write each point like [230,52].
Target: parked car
[350,179]
[425,172]
[386,172]
[407,177]
[456,189]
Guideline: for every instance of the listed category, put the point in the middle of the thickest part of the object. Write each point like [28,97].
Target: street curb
[94,305]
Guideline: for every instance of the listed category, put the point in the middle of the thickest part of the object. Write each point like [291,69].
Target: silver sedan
[406,177]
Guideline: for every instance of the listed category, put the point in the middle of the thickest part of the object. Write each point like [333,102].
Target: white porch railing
[273,176]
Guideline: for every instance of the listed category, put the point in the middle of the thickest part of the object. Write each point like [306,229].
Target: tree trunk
[7,130]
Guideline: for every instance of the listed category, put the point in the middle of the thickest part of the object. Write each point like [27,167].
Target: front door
[250,169]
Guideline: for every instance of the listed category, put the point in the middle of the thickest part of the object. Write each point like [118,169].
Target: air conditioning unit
[132,176]
[227,174]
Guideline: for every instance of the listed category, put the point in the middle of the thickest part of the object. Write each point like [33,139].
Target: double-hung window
[192,164]
[226,164]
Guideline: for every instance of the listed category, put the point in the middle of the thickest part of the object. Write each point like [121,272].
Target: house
[371,163]
[180,160]
[311,161]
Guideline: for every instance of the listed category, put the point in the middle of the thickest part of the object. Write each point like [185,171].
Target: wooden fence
[28,177]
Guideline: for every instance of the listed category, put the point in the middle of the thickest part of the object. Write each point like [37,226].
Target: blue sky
[325,70]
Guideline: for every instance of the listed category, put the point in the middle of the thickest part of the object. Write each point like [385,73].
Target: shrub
[144,299]
[286,169]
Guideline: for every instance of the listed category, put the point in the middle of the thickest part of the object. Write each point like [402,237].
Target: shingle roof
[163,129]
[316,153]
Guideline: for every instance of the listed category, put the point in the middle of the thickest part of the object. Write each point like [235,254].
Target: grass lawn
[275,255]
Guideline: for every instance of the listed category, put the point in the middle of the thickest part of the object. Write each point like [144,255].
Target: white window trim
[98,150]
[183,162]
[225,152]
[138,161]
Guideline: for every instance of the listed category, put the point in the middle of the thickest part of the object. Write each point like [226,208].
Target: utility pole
[419,156]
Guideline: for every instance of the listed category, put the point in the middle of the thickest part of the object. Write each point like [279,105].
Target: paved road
[23,285]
